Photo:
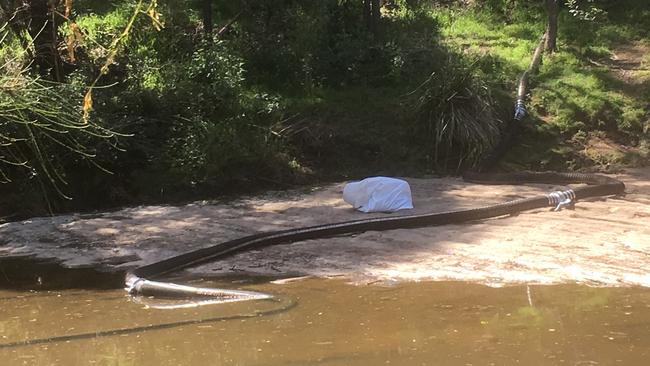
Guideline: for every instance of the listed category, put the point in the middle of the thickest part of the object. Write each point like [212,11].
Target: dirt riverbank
[600,242]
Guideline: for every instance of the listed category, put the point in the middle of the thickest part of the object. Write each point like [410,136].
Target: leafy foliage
[576,96]
[41,126]
[584,9]
[291,86]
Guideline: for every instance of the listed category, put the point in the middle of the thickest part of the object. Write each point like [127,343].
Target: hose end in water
[131,282]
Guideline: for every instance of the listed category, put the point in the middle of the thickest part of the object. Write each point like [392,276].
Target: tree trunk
[552,10]
[367,13]
[207,19]
[43,32]
[372,13]
[375,15]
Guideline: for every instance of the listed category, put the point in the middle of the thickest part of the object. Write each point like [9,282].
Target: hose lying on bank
[137,281]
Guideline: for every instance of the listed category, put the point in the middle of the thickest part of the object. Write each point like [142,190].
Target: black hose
[597,185]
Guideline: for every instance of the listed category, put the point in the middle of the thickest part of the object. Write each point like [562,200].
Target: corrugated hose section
[138,280]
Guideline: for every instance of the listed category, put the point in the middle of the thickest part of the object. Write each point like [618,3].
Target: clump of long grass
[454,116]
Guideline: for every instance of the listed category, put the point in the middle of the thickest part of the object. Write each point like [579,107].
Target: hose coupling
[520,110]
[560,199]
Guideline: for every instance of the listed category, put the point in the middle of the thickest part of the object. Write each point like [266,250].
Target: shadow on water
[25,273]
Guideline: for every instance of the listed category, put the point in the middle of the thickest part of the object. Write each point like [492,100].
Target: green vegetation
[576,97]
[285,92]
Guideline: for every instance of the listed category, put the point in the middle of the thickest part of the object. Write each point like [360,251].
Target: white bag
[378,194]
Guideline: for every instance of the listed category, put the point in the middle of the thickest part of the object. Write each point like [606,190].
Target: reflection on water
[426,323]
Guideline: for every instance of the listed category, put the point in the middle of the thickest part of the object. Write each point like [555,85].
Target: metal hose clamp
[560,199]
[520,110]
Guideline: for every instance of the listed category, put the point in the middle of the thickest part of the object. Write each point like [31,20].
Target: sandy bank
[600,242]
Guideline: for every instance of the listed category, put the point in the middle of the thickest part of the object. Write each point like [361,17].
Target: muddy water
[329,322]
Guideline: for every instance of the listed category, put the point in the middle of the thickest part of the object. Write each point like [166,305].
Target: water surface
[330,322]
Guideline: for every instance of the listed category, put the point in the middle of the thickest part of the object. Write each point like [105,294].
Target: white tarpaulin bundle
[378,194]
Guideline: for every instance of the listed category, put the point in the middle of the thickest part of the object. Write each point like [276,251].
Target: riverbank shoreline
[601,242]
